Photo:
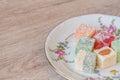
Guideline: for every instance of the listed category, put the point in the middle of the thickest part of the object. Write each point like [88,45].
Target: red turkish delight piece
[98,44]
[103,39]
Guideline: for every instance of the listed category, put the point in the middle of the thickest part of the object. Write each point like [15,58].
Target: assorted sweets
[96,49]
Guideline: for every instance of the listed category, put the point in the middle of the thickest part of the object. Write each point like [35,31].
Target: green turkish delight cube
[85,43]
[116,46]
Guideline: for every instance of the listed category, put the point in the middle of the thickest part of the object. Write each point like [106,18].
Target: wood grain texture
[24,26]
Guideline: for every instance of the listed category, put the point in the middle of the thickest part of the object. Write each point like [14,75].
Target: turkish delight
[85,61]
[116,46]
[84,30]
[85,43]
[106,57]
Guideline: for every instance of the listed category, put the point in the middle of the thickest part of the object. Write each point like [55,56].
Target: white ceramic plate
[60,47]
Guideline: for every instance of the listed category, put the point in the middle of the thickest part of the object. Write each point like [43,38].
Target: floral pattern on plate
[60,51]
[111,29]
[115,75]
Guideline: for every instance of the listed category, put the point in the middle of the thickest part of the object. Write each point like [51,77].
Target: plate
[60,48]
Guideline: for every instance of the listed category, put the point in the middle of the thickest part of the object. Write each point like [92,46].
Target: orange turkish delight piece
[84,31]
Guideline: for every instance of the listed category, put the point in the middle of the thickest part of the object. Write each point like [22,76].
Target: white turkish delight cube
[106,57]
[85,61]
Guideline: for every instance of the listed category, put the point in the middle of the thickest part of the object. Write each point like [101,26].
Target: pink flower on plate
[60,52]
[111,29]
[90,78]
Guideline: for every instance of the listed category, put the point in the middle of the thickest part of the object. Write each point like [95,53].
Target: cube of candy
[106,57]
[84,30]
[116,46]
[85,43]
[103,39]
[85,61]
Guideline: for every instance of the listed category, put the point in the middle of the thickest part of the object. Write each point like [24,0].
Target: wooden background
[24,26]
